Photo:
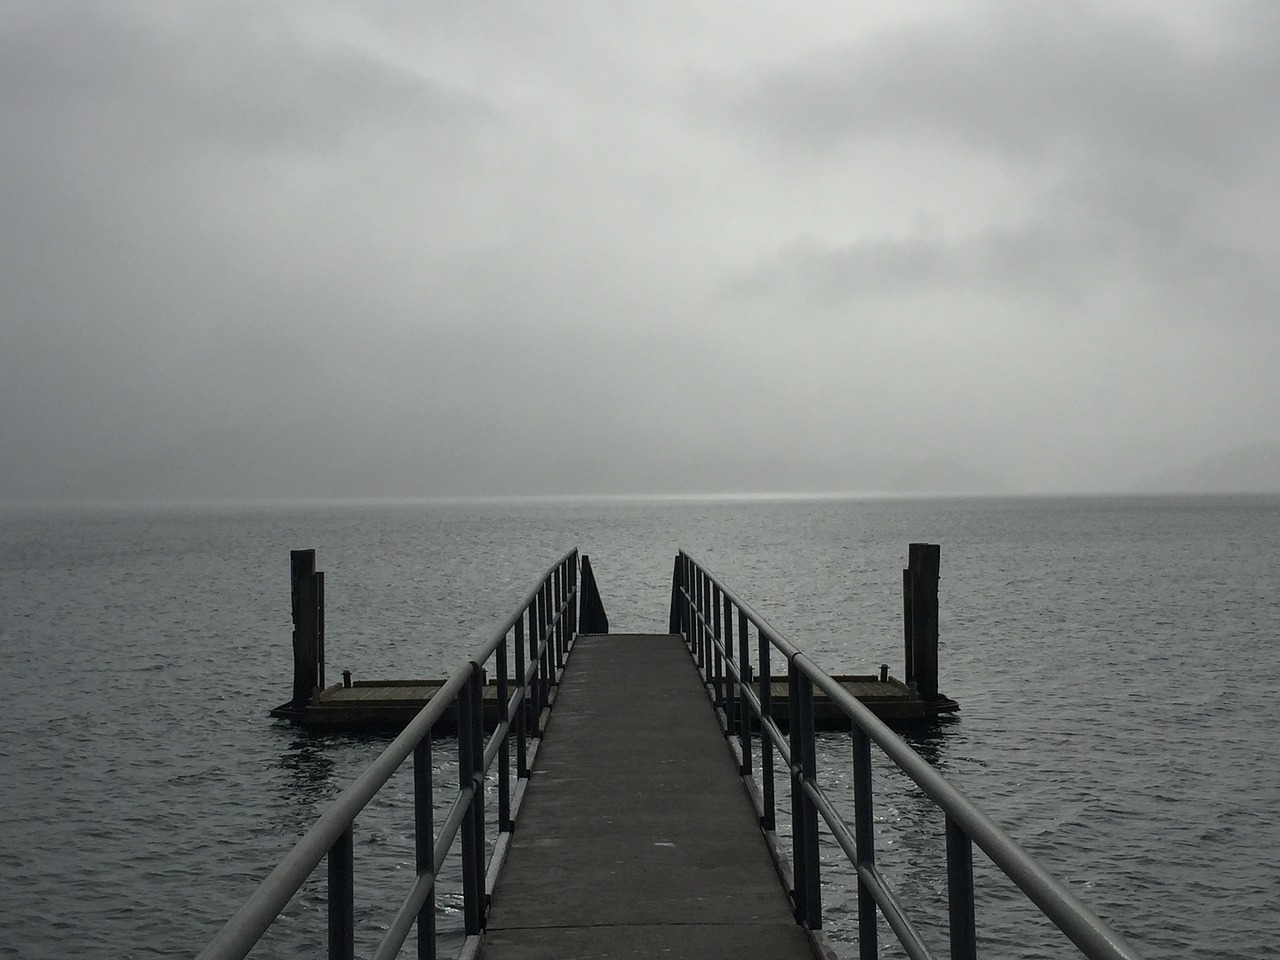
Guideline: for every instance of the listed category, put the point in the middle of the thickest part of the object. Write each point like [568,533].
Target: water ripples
[1114,660]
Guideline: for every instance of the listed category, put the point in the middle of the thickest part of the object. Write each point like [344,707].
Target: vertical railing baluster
[342,907]
[544,682]
[535,687]
[695,646]
[548,636]
[731,718]
[504,745]
[799,848]
[744,710]
[522,715]
[864,833]
[704,651]
[706,624]
[806,876]
[697,617]
[424,841]
[688,605]
[477,766]
[472,880]
[809,770]
[717,660]
[695,611]
[964,945]
[768,820]
[557,603]
[572,574]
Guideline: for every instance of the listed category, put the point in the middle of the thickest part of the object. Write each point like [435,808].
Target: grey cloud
[325,248]
[189,78]
[1030,80]
[1028,263]
[1130,141]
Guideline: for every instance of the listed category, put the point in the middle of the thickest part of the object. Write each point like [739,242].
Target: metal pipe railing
[703,608]
[546,619]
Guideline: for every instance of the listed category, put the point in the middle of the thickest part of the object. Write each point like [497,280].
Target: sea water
[1116,660]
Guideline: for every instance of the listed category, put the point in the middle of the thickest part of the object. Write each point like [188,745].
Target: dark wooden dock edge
[388,705]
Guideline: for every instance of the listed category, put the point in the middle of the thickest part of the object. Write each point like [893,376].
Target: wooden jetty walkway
[636,836]
[638,782]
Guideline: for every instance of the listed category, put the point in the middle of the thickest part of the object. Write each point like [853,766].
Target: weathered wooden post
[920,601]
[319,629]
[677,582]
[908,636]
[306,591]
[592,617]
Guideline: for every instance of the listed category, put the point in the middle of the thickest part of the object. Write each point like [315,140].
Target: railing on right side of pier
[537,636]
[716,623]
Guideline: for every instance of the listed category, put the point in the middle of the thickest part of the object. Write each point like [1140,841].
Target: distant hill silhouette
[1251,469]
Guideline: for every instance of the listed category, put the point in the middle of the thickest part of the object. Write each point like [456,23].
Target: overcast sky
[396,248]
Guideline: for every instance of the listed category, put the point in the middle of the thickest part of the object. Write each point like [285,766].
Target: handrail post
[425,842]
[477,766]
[705,632]
[732,721]
[540,636]
[864,837]
[799,842]
[744,709]
[549,634]
[699,584]
[695,616]
[717,659]
[472,838]
[964,944]
[768,820]
[556,586]
[342,909]
[535,687]
[522,715]
[504,745]
[574,581]
[804,815]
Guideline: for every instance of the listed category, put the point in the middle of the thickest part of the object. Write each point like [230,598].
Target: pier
[361,705]
[637,787]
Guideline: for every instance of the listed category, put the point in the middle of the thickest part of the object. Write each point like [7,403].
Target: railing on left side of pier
[717,625]
[535,639]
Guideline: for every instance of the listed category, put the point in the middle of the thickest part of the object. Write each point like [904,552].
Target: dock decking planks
[636,837]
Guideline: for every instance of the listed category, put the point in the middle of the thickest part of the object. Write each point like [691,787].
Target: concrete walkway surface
[636,837]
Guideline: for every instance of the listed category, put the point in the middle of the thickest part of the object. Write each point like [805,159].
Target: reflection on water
[932,741]
[310,769]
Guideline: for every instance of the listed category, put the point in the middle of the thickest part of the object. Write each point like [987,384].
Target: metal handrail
[547,620]
[703,609]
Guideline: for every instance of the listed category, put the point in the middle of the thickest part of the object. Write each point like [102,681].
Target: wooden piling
[908,637]
[677,603]
[920,591]
[320,683]
[593,617]
[306,591]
